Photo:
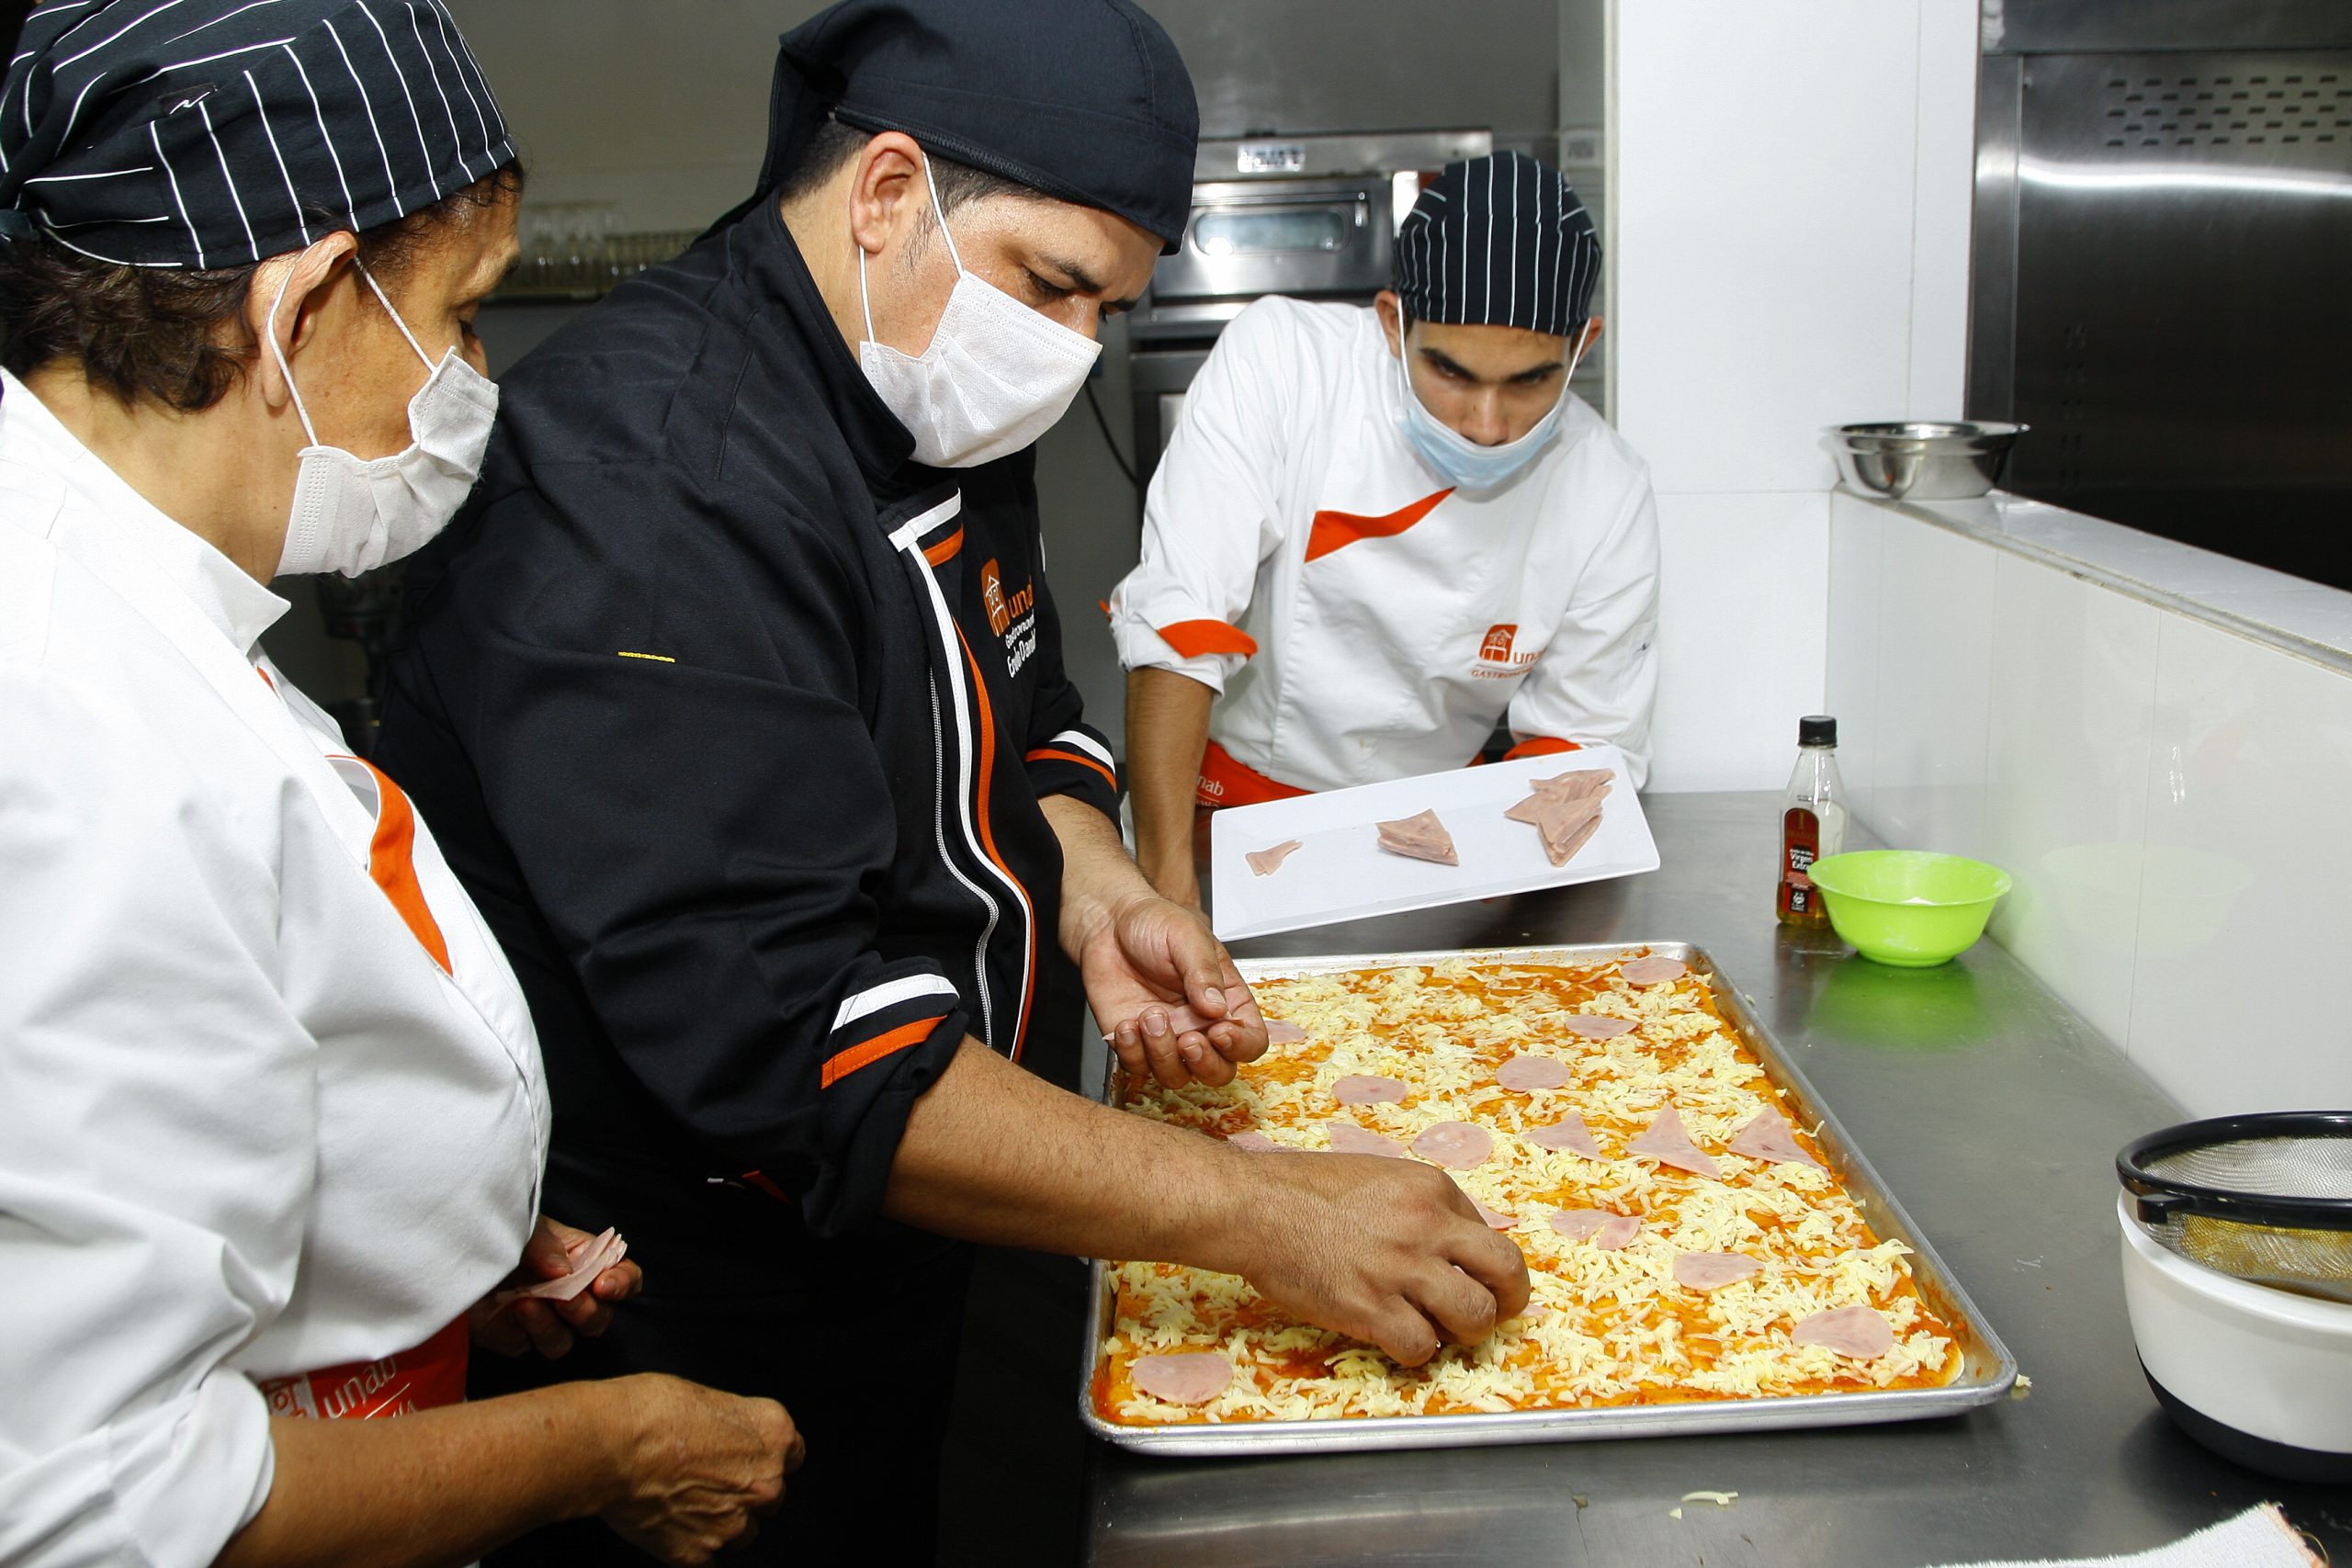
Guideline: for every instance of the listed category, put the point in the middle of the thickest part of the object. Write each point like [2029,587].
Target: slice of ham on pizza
[1714,1270]
[1857,1331]
[1767,1136]
[1418,837]
[1184,1377]
[1667,1141]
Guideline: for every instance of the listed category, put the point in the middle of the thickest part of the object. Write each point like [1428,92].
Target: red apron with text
[430,1375]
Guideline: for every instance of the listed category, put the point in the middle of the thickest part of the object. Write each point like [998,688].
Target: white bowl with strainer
[2237,1273]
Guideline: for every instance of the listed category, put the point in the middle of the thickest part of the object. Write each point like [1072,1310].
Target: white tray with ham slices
[1315,859]
[1985,1372]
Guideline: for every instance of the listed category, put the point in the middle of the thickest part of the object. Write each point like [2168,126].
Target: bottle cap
[1817,729]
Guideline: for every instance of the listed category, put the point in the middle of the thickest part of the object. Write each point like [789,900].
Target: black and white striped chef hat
[1498,241]
[213,133]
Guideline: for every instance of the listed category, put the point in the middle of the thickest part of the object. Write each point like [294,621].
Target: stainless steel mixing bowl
[1923,459]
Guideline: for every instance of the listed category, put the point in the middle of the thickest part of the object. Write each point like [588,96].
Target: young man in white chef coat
[1379,532]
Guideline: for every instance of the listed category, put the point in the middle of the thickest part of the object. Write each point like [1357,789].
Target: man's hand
[534,1323]
[1157,980]
[1388,1250]
[1166,990]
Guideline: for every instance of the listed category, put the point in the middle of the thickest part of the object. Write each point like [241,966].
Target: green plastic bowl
[1909,908]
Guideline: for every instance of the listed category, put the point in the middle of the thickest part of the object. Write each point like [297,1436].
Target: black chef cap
[213,133]
[1083,100]
[1498,241]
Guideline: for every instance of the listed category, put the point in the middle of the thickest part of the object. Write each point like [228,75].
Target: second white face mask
[996,376]
[1459,460]
[352,514]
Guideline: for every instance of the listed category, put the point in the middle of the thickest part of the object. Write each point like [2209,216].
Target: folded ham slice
[1187,1377]
[1714,1270]
[1569,1135]
[1367,1089]
[1251,1138]
[1667,1141]
[1857,1331]
[1420,837]
[1577,783]
[1767,1135]
[1457,1146]
[1609,1232]
[1593,1026]
[1527,1073]
[1268,860]
[1565,809]
[1653,971]
[1281,1032]
[589,1257]
[1346,1138]
[1496,1219]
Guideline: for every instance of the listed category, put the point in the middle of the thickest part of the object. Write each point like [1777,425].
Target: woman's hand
[701,1467]
[528,1323]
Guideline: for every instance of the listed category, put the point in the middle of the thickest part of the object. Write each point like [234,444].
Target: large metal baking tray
[1988,1370]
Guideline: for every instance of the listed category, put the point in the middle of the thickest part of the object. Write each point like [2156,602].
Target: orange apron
[1228,780]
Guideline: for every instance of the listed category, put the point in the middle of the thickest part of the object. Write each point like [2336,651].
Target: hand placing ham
[1385,1251]
[566,1285]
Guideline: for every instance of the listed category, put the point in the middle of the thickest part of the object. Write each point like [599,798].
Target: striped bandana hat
[1499,240]
[213,133]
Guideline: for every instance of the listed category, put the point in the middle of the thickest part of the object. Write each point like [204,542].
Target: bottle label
[1800,843]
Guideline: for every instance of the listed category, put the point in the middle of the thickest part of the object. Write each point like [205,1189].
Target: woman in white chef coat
[271,1115]
[1378,532]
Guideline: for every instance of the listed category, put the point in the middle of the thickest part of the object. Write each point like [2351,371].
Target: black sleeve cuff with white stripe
[894,1031]
[1077,762]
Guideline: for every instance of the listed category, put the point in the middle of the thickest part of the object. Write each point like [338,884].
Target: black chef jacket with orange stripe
[736,722]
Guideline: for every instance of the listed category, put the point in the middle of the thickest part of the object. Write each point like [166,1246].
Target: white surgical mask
[996,376]
[1459,460]
[352,514]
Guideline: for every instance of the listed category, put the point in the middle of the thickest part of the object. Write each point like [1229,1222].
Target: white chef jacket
[249,1128]
[1363,621]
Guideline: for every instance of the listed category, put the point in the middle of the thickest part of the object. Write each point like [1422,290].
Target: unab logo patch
[1011,615]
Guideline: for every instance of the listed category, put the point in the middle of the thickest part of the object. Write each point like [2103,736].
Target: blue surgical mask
[1459,460]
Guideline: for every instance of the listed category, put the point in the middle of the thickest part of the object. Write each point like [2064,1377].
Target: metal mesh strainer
[2266,1198]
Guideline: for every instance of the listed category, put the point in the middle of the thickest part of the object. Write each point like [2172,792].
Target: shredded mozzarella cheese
[1603,1328]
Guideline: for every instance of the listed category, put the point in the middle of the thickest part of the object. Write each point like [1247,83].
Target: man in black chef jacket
[737,699]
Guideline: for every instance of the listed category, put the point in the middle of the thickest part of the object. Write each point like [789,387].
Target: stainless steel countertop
[1994,1114]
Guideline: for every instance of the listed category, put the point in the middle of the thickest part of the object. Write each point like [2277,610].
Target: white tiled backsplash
[2169,796]
[1787,249]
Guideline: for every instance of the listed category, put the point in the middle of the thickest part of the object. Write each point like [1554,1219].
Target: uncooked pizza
[1685,1239]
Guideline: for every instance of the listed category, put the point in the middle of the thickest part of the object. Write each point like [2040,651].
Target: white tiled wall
[1789,208]
[2244,925]
[1735,670]
[2066,778]
[2169,798]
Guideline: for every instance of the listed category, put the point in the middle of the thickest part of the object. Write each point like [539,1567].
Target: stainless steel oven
[1312,217]
[1328,238]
